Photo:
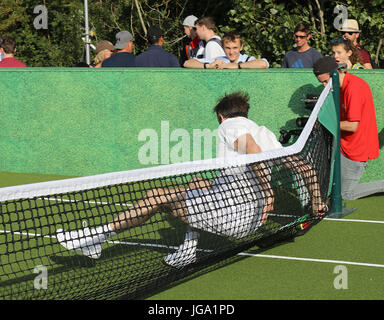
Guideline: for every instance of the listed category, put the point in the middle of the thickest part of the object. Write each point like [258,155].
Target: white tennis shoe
[85,241]
[186,253]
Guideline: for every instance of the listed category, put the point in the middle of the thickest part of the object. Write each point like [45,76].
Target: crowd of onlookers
[207,50]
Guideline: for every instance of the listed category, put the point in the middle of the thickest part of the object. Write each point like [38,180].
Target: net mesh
[171,224]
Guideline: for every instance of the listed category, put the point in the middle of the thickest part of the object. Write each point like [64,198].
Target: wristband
[205,65]
[238,65]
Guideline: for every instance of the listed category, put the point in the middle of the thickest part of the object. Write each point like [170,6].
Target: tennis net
[172,220]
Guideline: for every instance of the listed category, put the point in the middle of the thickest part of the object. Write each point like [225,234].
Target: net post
[336,200]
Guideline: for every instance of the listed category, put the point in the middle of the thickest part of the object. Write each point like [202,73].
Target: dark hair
[8,45]
[348,45]
[154,34]
[303,27]
[206,21]
[232,105]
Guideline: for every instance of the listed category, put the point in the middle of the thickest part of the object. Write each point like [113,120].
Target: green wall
[75,121]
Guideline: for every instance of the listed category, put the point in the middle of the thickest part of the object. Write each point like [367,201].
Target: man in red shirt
[359,139]
[8,49]
[350,31]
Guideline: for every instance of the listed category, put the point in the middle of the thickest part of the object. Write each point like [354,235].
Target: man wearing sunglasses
[303,56]
[350,31]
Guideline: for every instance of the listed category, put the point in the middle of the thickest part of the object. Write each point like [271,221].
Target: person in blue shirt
[303,56]
[155,56]
[124,56]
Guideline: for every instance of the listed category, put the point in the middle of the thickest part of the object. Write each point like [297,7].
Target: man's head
[205,28]
[350,30]
[302,34]
[323,68]
[189,26]
[8,46]
[232,44]
[124,41]
[155,35]
[232,105]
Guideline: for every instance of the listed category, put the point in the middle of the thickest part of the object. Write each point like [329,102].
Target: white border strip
[95,181]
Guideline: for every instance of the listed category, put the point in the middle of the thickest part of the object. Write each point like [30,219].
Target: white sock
[186,252]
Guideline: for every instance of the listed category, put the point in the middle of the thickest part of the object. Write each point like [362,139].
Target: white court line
[257,255]
[152,245]
[87,201]
[354,220]
[312,260]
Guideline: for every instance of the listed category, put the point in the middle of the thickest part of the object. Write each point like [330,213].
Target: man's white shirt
[211,50]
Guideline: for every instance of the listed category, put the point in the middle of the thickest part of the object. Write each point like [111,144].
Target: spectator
[205,29]
[303,56]
[155,56]
[359,140]
[190,50]
[345,52]
[124,56]
[350,30]
[233,59]
[1,53]
[104,50]
[8,49]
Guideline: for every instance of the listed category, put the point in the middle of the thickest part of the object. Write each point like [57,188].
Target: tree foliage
[266,26]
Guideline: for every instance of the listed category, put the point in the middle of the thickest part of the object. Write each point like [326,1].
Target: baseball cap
[325,65]
[122,38]
[189,21]
[103,45]
[154,33]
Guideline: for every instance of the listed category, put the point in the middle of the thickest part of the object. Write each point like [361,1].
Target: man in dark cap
[359,140]
[155,56]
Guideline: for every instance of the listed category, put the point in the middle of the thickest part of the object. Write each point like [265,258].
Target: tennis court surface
[251,213]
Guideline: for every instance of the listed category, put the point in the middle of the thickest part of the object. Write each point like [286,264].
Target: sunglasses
[301,37]
[350,33]
[340,40]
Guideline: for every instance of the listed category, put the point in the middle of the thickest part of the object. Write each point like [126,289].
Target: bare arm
[306,171]
[246,144]
[254,64]
[349,126]
[195,64]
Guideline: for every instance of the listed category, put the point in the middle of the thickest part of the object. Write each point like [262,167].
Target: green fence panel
[78,121]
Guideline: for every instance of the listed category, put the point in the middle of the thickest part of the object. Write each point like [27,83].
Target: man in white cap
[190,50]
[124,56]
[351,31]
